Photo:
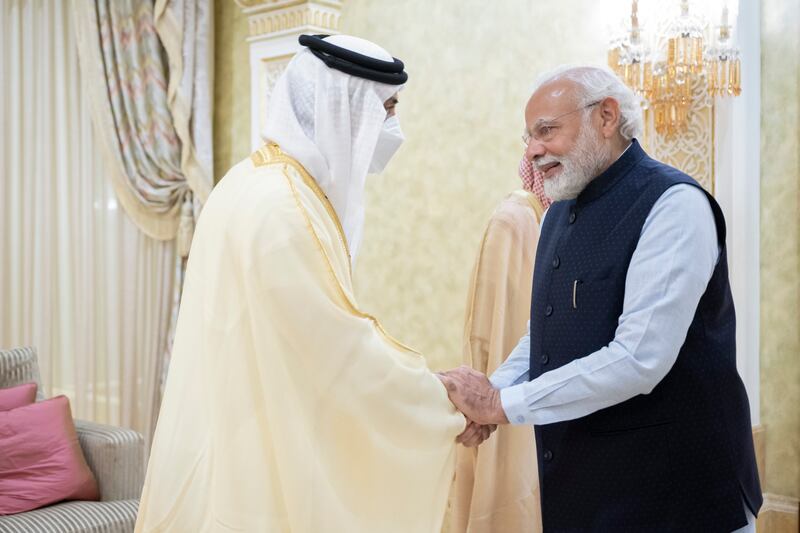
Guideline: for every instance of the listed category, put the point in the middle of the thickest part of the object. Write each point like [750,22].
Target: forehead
[550,100]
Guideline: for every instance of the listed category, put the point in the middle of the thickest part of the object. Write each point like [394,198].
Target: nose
[534,149]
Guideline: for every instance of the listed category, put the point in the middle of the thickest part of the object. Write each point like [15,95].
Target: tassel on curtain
[149,72]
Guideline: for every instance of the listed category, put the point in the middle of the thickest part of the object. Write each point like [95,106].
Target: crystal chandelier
[663,65]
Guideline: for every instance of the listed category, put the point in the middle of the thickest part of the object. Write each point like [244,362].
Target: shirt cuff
[514,405]
[497,381]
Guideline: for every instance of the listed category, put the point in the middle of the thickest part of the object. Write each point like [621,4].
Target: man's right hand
[472,394]
[474,434]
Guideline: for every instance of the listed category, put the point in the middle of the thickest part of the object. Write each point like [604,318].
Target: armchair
[115,456]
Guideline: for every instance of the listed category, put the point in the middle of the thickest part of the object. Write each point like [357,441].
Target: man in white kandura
[287,408]
[628,370]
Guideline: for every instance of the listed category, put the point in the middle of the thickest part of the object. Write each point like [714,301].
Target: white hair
[597,83]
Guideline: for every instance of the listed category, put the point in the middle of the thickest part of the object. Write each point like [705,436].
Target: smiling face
[552,118]
[567,141]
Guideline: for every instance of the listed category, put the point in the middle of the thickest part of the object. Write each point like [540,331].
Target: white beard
[578,168]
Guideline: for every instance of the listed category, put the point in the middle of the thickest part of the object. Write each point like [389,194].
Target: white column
[738,171]
[274,27]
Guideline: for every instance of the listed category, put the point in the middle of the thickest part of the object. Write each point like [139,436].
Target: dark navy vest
[677,459]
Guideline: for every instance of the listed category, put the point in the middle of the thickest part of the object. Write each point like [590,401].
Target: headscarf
[533,181]
[329,122]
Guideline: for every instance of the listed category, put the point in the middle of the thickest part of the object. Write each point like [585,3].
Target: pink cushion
[18,396]
[42,462]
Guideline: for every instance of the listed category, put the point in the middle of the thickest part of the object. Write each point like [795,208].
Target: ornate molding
[270,17]
[250,3]
[691,151]
[274,26]
[257,5]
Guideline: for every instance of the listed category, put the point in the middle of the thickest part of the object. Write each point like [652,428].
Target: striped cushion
[74,517]
[20,365]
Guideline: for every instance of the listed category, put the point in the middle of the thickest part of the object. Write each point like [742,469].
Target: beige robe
[497,486]
[287,408]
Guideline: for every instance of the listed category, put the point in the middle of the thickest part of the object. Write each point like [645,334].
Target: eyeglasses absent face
[390,105]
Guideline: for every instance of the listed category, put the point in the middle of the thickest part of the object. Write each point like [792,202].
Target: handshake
[472,394]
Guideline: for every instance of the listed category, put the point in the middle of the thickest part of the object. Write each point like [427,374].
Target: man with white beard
[628,370]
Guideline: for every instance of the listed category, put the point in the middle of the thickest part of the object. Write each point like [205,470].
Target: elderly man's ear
[609,116]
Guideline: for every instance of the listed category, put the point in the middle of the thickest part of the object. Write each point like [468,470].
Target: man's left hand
[475,434]
[473,394]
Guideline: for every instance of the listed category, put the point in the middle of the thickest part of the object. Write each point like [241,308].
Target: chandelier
[663,64]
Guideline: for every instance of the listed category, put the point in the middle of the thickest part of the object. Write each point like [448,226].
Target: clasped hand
[472,394]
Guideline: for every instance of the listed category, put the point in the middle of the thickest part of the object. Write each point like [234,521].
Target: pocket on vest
[593,293]
[639,461]
[596,303]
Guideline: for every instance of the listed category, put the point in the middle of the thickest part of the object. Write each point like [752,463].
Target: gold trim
[272,154]
[531,200]
[258,158]
[537,206]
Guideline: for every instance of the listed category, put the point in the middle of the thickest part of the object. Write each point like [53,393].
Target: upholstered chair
[115,456]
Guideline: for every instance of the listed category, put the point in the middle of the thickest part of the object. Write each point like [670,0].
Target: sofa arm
[116,457]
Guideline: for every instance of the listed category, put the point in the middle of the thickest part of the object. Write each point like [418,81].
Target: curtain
[186,29]
[149,104]
[78,279]
[149,72]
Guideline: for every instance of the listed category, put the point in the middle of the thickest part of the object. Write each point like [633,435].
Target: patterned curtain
[149,73]
[185,28]
[150,103]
